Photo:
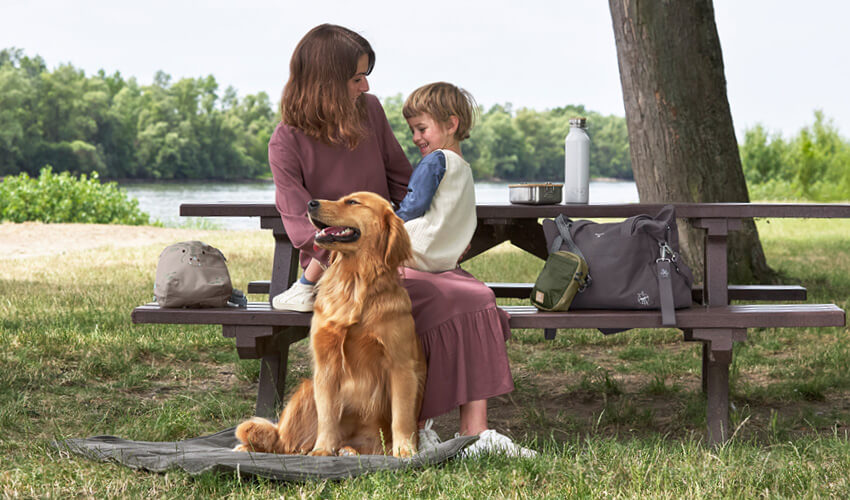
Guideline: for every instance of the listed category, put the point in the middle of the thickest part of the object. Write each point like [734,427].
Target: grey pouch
[563,275]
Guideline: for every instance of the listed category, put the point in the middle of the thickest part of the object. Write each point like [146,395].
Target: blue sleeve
[422,186]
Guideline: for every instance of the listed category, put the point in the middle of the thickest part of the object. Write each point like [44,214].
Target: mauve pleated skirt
[463,335]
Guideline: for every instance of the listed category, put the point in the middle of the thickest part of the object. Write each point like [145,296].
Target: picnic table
[264,333]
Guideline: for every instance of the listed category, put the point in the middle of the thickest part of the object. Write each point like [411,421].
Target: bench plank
[773,293]
[732,316]
[257,314]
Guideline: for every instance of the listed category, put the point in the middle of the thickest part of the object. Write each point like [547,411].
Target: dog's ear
[398,242]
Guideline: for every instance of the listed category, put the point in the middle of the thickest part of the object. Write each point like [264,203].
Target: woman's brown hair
[315,99]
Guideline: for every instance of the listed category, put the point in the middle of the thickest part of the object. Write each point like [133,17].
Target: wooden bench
[263,333]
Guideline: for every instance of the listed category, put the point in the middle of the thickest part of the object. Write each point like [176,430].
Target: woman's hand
[462,255]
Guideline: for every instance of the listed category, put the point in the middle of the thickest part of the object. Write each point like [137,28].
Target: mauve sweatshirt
[304,168]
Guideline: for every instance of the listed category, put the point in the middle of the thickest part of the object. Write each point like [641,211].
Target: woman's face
[358,84]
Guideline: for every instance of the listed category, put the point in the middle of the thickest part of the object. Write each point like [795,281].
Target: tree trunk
[682,141]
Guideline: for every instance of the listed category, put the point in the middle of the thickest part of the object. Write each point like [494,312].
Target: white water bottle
[577,162]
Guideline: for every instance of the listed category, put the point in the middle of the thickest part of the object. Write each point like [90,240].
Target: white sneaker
[428,439]
[491,441]
[299,297]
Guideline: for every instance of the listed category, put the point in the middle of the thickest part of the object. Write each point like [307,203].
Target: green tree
[119,127]
[253,120]
[18,128]
[813,165]
[762,156]
[609,152]
[496,145]
[393,109]
[542,157]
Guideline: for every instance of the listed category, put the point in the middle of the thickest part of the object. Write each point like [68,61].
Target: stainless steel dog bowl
[536,194]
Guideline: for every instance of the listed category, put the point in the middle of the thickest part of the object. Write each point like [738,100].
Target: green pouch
[564,274]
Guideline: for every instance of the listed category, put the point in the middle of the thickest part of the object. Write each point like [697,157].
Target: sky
[783,59]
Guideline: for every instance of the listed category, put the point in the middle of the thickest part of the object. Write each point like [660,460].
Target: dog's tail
[295,432]
[258,434]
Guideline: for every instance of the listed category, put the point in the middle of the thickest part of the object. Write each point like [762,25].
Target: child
[439,209]
[439,215]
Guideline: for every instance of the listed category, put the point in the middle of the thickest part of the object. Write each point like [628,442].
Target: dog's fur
[368,365]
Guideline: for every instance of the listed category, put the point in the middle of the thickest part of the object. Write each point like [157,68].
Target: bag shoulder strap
[565,237]
[664,273]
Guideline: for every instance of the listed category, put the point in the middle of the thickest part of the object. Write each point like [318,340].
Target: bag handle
[564,236]
[664,273]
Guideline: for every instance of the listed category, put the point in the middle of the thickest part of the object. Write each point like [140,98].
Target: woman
[334,139]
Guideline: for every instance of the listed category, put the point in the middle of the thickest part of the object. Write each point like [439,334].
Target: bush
[65,198]
[813,166]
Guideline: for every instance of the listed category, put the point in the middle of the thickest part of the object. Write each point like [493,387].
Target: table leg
[717,396]
[486,236]
[285,267]
[716,271]
[717,349]
[272,383]
[527,234]
[271,346]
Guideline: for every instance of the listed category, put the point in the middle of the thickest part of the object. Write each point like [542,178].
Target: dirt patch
[37,239]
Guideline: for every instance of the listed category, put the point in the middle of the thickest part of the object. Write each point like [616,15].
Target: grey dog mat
[214,453]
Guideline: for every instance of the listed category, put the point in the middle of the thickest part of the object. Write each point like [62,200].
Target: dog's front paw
[321,452]
[405,449]
[241,447]
[347,451]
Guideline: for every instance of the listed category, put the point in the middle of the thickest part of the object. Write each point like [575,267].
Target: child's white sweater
[442,234]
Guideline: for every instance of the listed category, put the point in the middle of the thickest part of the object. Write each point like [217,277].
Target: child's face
[430,135]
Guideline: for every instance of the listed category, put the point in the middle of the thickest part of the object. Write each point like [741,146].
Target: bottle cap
[578,122]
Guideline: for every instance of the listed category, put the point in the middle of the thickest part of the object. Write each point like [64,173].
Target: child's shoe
[491,441]
[299,297]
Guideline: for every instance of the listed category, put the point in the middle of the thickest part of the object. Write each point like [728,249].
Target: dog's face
[360,222]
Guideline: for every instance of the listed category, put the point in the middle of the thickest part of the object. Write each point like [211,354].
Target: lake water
[162,200]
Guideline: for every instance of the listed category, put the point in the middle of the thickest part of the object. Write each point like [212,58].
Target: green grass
[619,415]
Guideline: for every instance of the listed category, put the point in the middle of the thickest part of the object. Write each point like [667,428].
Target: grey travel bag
[632,264]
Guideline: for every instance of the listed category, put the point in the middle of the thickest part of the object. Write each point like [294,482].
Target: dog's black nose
[312,204]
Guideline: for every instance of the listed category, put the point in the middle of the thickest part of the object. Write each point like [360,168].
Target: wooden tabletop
[519,224]
[496,211]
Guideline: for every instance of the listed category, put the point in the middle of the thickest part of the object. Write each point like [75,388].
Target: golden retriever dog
[368,365]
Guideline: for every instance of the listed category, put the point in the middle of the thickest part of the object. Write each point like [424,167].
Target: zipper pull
[667,253]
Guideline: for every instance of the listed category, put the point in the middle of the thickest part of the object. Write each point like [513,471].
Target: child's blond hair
[441,100]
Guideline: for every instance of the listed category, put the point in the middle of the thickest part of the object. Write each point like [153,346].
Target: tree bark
[681,137]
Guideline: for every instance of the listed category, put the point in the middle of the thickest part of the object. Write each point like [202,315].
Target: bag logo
[643,298]
[539,297]
[599,235]
[664,273]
